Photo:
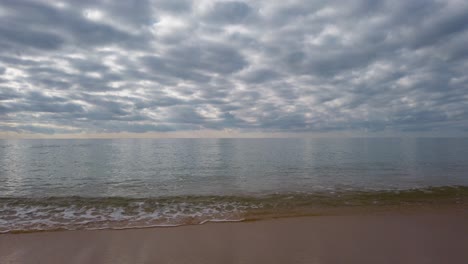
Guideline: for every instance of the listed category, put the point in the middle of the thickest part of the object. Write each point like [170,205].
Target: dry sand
[436,236]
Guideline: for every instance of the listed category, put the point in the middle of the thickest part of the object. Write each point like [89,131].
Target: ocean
[130,183]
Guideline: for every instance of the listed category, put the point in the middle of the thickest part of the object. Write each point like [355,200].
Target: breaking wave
[82,213]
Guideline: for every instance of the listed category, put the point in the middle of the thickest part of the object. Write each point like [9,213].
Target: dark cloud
[8,94]
[261,76]
[84,65]
[195,63]
[209,57]
[231,12]
[170,68]
[176,7]
[441,27]
[273,66]
[39,103]
[12,38]
[43,26]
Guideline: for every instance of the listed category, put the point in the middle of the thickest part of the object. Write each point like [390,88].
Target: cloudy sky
[164,66]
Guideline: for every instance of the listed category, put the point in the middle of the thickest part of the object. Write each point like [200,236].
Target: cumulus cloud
[262,66]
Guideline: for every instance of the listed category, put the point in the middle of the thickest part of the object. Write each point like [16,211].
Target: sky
[233,68]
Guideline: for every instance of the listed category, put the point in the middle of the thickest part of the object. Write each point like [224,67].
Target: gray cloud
[231,12]
[12,38]
[162,66]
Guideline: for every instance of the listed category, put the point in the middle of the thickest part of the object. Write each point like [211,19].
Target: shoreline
[424,235]
[405,209]
[24,215]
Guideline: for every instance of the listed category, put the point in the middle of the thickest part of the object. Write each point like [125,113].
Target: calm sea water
[141,182]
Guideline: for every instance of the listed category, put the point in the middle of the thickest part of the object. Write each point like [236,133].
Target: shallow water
[84,184]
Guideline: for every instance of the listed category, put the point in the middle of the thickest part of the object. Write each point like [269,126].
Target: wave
[23,214]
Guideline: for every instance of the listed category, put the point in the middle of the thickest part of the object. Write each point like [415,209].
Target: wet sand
[429,236]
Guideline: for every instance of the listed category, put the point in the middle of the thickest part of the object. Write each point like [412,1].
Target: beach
[427,235]
[233,132]
[234,201]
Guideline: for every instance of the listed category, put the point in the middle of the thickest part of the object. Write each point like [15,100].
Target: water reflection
[159,167]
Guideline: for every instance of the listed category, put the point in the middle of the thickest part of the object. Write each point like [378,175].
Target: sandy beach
[421,236]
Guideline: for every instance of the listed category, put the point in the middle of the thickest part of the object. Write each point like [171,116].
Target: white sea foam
[71,213]
[24,217]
